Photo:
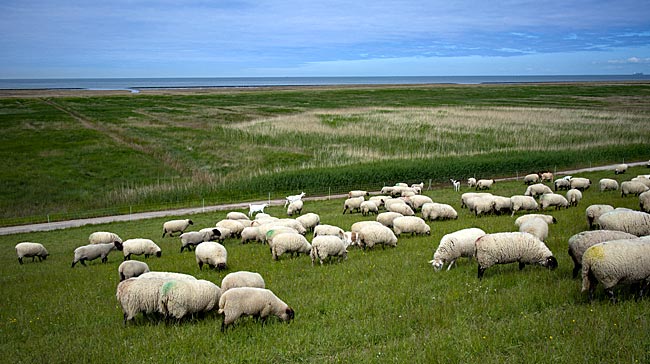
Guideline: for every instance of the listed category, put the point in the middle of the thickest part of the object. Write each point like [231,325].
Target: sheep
[484,184]
[371,235]
[211,253]
[357,193]
[410,224]
[263,216]
[351,238]
[523,218]
[469,195]
[132,268]
[292,223]
[251,233]
[325,229]
[644,201]
[327,246]
[537,227]
[537,190]
[369,207]
[546,176]
[241,278]
[632,188]
[137,295]
[234,215]
[224,233]
[607,184]
[197,237]
[293,198]
[295,208]
[633,222]
[438,211]
[140,246]
[471,182]
[252,301]
[573,196]
[417,187]
[179,298]
[386,218]
[580,183]
[418,201]
[523,203]
[28,249]
[173,226]
[481,205]
[359,225]
[553,199]
[643,179]
[455,245]
[580,242]
[624,261]
[387,190]
[562,184]
[256,208]
[309,220]
[593,212]
[289,243]
[502,204]
[166,275]
[456,184]
[620,169]
[503,248]
[403,209]
[394,201]
[269,231]
[353,203]
[529,179]
[103,237]
[94,251]
[235,226]
[378,200]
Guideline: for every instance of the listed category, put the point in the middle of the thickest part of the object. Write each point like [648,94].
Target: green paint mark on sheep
[168,286]
[595,252]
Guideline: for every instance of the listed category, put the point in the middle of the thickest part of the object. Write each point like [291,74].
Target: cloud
[631,60]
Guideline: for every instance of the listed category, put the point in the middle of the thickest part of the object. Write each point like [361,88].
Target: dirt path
[196,210]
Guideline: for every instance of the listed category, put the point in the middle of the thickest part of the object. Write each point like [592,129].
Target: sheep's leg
[610,294]
[451,263]
[83,262]
[20,260]
[521,265]
[481,270]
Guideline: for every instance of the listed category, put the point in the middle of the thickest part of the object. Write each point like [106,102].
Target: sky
[288,38]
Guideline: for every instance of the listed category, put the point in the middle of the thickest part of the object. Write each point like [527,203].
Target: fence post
[269,198]
[130,212]
[48,218]
[203,208]
[329,193]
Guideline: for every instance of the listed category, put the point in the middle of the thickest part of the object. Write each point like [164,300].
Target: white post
[48,218]
[203,208]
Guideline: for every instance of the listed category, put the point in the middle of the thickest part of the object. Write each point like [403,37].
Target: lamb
[252,301]
[503,248]
[562,184]
[620,169]
[403,209]
[547,218]
[471,182]
[594,212]
[94,251]
[137,295]
[529,179]
[211,253]
[410,224]
[357,193]
[546,176]
[103,237]
[371,235]
[327,246]
[438,211]
[580,183]
[234,215]
[295,208]
[525,203]
[235,226]
[608,184]
[624,261]
[573,196]
[293,198]
[553,199]
[140,247]
[241,279]
[309,220]
[536,227]
[632,188]
[484,184]
[325,229]
[644,201]
[418,201]
[537,190]
[132,268]
[256,208]
[31,250]
[174,226]
[179,298]
[289,243]
[353,203]
[455,245]
[456,184]
[194,238]
[386,218]
[633,222]
[580,242]
[251,233]
[369,207]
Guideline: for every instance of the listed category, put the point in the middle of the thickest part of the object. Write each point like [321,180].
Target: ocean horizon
[135,84]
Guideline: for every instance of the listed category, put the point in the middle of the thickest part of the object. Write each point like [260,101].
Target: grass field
[382,305]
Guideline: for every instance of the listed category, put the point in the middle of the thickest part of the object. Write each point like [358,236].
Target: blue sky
[232,38]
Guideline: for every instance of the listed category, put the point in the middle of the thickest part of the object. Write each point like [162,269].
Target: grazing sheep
[471,182]
[103,237]
[537,189]
[251,233]
[502,204]
[292,223]
[546,176]
[418,201]
[140,247]
[643,179]
[235,226]
[386,218]
[593,212]
[529,179]
[580,242]
[94,251]
[289,243]
[410,224]
[369,207]
[484,184]
[211,253]
[234,215]
[523,203]
[224,233]
[357,226]
[132,268]
[553,199]
[522,219]
[632,188]
[537,227]
[455,245]
[562,184]
[400,208]
[573,196]
[256,208]
[353,203]
[620,169]
[137,295]
[327,246]
[295,208]
[166,275]
[252,301]
[309,220]
[633,222]
[293,198]
[173,226]
[242,278]
[616,262]
[357,193]
[379,200]
[194,238]
[503,248]
[644,201]
[31,250]
[608,184]
[325,229]
[438,211]
[481,205]
[371,235]
[179,298]
[580,183]
[469,195]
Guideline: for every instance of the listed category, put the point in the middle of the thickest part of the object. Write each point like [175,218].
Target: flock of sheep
[617,253]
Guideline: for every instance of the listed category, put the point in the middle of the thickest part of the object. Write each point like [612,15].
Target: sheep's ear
[289,311]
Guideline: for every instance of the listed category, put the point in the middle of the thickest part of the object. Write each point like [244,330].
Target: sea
[136,84]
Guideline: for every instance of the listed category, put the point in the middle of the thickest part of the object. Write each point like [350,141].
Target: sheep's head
[550,262]
[118,245]
[288,314]
[437,264]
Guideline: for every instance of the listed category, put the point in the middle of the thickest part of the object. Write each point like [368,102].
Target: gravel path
[234,206]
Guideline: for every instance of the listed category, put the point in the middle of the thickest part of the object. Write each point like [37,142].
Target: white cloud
[631,60]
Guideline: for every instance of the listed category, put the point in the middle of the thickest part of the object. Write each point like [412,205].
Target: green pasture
[381,305]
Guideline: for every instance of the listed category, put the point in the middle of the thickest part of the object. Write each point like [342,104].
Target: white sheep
[194,238]
[632,188]
[309,220]
[289,243]
[456,184]
[371,235]
[410,224]
[608,184]
[573,196]
[386,218]
[537,189]
[179,298]
[137,295]
[553,199]
[93,251]
[523,218]
[455,245]
[504,248]
[616,262]
[369,207]
[166,275]
[502,204]
[132,268]
[484,184]
[529,179]
[401,208]
[562,184]
[292,223]
[580,183]
[140,246]
[643,179]
[235,226]
[620,169]
[417,201]
[389,201]
[471,182]
[295,208]
[325,229]
[271,230]
[103,237]
[293,198]
[644,201]
[481,205]
[357,193]
[353,203]
[242,278]
[438,211]
[379,200]
[235,215]
[251,233]
[546,176]
[211,253]
[31,250]
[523,203]
[469,195]
[256,208]
[593,212]
[418,187]
[252,301]
[633,222]
[224,233]
[176,226]
[357,226]
[537,227]
[327,246]
[580,242]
